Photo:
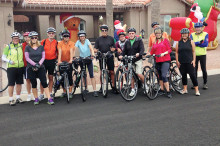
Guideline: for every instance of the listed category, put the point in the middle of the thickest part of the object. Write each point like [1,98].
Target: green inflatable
[205,5]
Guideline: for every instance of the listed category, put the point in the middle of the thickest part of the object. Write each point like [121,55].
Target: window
[165,19]
[82,25]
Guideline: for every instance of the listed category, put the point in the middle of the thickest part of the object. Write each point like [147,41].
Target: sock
[11,98]
[17,96]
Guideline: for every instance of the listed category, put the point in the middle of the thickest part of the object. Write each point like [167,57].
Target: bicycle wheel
[176,79]
[55,84]
[4,81]
[66,86]
[145,69]
[104,78]
[83,85]
[124,84]
[151,84]
[117,75]
[74,82]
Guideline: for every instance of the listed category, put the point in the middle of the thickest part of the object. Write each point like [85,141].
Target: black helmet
[121,33]
[65,32]
[104,26]
[131,29]
[33,33]
[184,30]
[51,29]
[154,23]
[81,33]
[158,28]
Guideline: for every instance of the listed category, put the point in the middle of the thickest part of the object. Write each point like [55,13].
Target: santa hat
[193,7]
[119,31]
[62,20]
[117,22]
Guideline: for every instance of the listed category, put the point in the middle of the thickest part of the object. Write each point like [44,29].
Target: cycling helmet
[51,29]
[131,29]
[104,26]
[158,28]
[184,30]
[65,32]
[26,34]
[15,34]
[198,24]
[33,33]
[81,33]
[121,33]
[154,23]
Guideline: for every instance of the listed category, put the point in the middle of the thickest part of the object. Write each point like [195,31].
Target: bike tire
[3,74]
[104,78]
[151,84]
[83,85]
[125,86]
[74,83]
[117,76]
[176,79]
[145,69]
[66,86]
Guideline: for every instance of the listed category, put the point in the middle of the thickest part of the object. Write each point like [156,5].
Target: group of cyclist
[34,59]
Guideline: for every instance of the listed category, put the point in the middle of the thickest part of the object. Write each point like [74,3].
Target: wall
[42,25]
[173,7]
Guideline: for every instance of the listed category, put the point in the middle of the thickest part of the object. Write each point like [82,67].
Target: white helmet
[51,29]
[15,34]
[33,33]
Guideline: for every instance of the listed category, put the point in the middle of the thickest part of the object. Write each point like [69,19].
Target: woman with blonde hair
[161,47]
[35,56]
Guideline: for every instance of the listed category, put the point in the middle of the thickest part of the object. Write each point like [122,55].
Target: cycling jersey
[14,53]
[201,42]
[50,49]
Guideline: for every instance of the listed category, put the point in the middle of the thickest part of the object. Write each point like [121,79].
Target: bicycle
[62,78]
[105,77]
[3,75]
[127,78]
[80,76]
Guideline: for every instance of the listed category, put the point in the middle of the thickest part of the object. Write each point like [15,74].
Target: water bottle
[77,78]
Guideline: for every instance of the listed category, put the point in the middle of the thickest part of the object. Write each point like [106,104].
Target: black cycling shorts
[25,72]
[15,75]
[50,66]
[110,64]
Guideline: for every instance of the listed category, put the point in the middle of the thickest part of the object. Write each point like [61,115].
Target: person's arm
[28,59]
[177,57]
[194,53]
[43,58]
[5,54]
[113,45]
[96,48]
[205,42]
[59,53]
[72,53]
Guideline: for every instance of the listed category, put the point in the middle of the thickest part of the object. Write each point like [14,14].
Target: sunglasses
[132,33]
[33,38]
[104,30]
[50,33]
[66,36]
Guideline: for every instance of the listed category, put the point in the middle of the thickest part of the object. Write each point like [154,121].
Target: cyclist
[120,44]
[28,82]
[152,37]
[201,40]
[134,46]
[66,51]
[35,55]
[161,47]
[86,49]
[50,48]
[185,59]
[13,55]
[104,44]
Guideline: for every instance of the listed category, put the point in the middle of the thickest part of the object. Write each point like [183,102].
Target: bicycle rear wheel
[176,79]
[124,84]
[83,85]
[4,81]
[74,82]
[66,86]
[104,78]
[151,84]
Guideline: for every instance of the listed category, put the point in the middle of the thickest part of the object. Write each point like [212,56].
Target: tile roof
[85,2]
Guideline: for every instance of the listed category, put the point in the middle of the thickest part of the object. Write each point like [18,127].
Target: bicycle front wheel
[117,76]
[66,86]
[4,81]
[151,84]
[125,86]
[104,83]
[176,79]
[83,85]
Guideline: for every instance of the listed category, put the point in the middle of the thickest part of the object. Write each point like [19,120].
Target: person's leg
[197,64]
[91,74]
[164,71]
[28,86]
[203,67]
[34,90]
[10,92]
[19,82]
[111,66]
[139,70]
[191,71]
[184,76]
[70,77]
[50,77]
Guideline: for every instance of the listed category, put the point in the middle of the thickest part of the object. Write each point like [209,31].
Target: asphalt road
[183,120]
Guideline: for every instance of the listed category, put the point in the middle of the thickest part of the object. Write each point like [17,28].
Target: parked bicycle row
[167,70]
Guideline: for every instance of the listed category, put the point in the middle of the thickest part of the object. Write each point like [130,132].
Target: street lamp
[9,19]
[142,33]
